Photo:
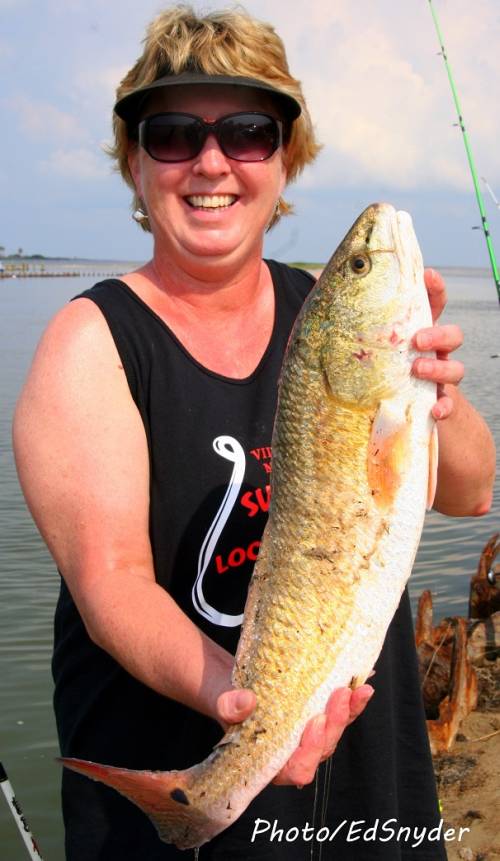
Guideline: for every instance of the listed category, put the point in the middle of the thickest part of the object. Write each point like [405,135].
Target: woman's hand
[321,734]
[443,340]
[466,465]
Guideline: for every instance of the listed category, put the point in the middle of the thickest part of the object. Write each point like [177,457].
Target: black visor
[129,107]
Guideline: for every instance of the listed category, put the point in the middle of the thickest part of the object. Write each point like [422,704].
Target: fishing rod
[19,818]
[484,222]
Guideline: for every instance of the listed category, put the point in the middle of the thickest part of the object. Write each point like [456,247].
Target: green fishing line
[484,221]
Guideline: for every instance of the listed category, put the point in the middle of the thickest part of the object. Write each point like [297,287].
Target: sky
[376,88]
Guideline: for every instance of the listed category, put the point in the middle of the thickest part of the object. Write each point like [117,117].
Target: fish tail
[167,797]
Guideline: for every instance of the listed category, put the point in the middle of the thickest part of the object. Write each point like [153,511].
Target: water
[447,556]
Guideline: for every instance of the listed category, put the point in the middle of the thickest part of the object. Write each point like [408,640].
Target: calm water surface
[446,559]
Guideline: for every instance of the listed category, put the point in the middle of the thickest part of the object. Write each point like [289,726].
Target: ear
[134,165]
[283,178]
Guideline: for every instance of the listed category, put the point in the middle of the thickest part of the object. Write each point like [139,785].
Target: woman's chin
[216,246]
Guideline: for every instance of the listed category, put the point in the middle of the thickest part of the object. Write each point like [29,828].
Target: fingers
[321,735]
[302,765]
[235,706]
[441,339]
[359,699]
[436,290]
[443,408]
[342,708]
[439,370]
[338,716]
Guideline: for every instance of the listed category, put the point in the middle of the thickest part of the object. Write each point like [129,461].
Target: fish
[354,461]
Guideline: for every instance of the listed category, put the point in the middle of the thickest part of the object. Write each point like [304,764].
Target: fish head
[367,306]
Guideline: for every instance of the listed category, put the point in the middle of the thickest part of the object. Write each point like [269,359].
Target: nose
[211,161]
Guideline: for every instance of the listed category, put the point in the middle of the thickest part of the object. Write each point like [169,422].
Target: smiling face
[210,208]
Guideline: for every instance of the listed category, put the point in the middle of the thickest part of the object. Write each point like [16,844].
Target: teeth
[212,201]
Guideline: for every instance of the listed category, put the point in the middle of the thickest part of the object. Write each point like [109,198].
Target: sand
[468,777]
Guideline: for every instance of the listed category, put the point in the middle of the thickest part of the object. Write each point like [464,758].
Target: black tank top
[209,441]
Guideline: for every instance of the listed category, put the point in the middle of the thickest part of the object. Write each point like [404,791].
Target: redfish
[354,466]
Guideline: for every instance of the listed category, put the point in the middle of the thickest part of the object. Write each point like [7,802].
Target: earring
[139,215]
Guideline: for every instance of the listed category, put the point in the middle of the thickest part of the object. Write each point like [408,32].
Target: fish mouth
[211,201]
[391,231]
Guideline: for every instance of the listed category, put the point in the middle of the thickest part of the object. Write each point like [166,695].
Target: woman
[144,395]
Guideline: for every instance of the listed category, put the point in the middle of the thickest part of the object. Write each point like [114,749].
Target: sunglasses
[172,137]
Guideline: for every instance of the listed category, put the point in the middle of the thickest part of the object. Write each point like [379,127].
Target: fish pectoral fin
[169,798]
[387,451]
[433,467]
[232,736]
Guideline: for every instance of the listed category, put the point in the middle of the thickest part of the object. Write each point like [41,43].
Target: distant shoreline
[40,259]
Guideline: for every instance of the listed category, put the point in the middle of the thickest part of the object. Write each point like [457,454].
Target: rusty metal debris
[449,652]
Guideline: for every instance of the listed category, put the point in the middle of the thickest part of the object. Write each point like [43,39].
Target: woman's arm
[466,470]
[82,459]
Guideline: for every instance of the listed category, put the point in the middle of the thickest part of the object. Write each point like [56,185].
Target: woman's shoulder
[292,285]
[110,291]
[292,274]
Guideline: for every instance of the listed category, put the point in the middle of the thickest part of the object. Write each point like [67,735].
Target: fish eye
[360,264]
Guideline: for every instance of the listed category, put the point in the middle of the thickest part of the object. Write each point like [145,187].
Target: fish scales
[348,491]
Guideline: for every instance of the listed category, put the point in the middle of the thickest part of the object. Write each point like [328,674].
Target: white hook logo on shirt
[230,449]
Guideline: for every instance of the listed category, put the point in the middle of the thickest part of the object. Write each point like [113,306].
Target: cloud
[377,90]
[94,87]
[382,101]
[44,120]
[379,94]
[6,51]
[76,164]
[376,87]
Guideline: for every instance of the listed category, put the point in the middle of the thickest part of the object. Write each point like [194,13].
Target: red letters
[262,453]
[257,500]
[237,557]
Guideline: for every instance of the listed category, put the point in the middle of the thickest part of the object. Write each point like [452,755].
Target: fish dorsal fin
[433,467]
[388,450]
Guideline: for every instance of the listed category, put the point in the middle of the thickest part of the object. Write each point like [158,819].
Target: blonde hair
[229,42]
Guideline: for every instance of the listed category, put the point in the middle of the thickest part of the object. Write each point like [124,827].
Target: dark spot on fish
[180,796]
[363,355]
[202,794]
[369,235]
[353,683]
[259,731]
[229,806]
[322,553]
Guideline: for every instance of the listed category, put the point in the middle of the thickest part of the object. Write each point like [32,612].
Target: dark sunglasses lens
[173,138]
[178,137]
[249,137]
